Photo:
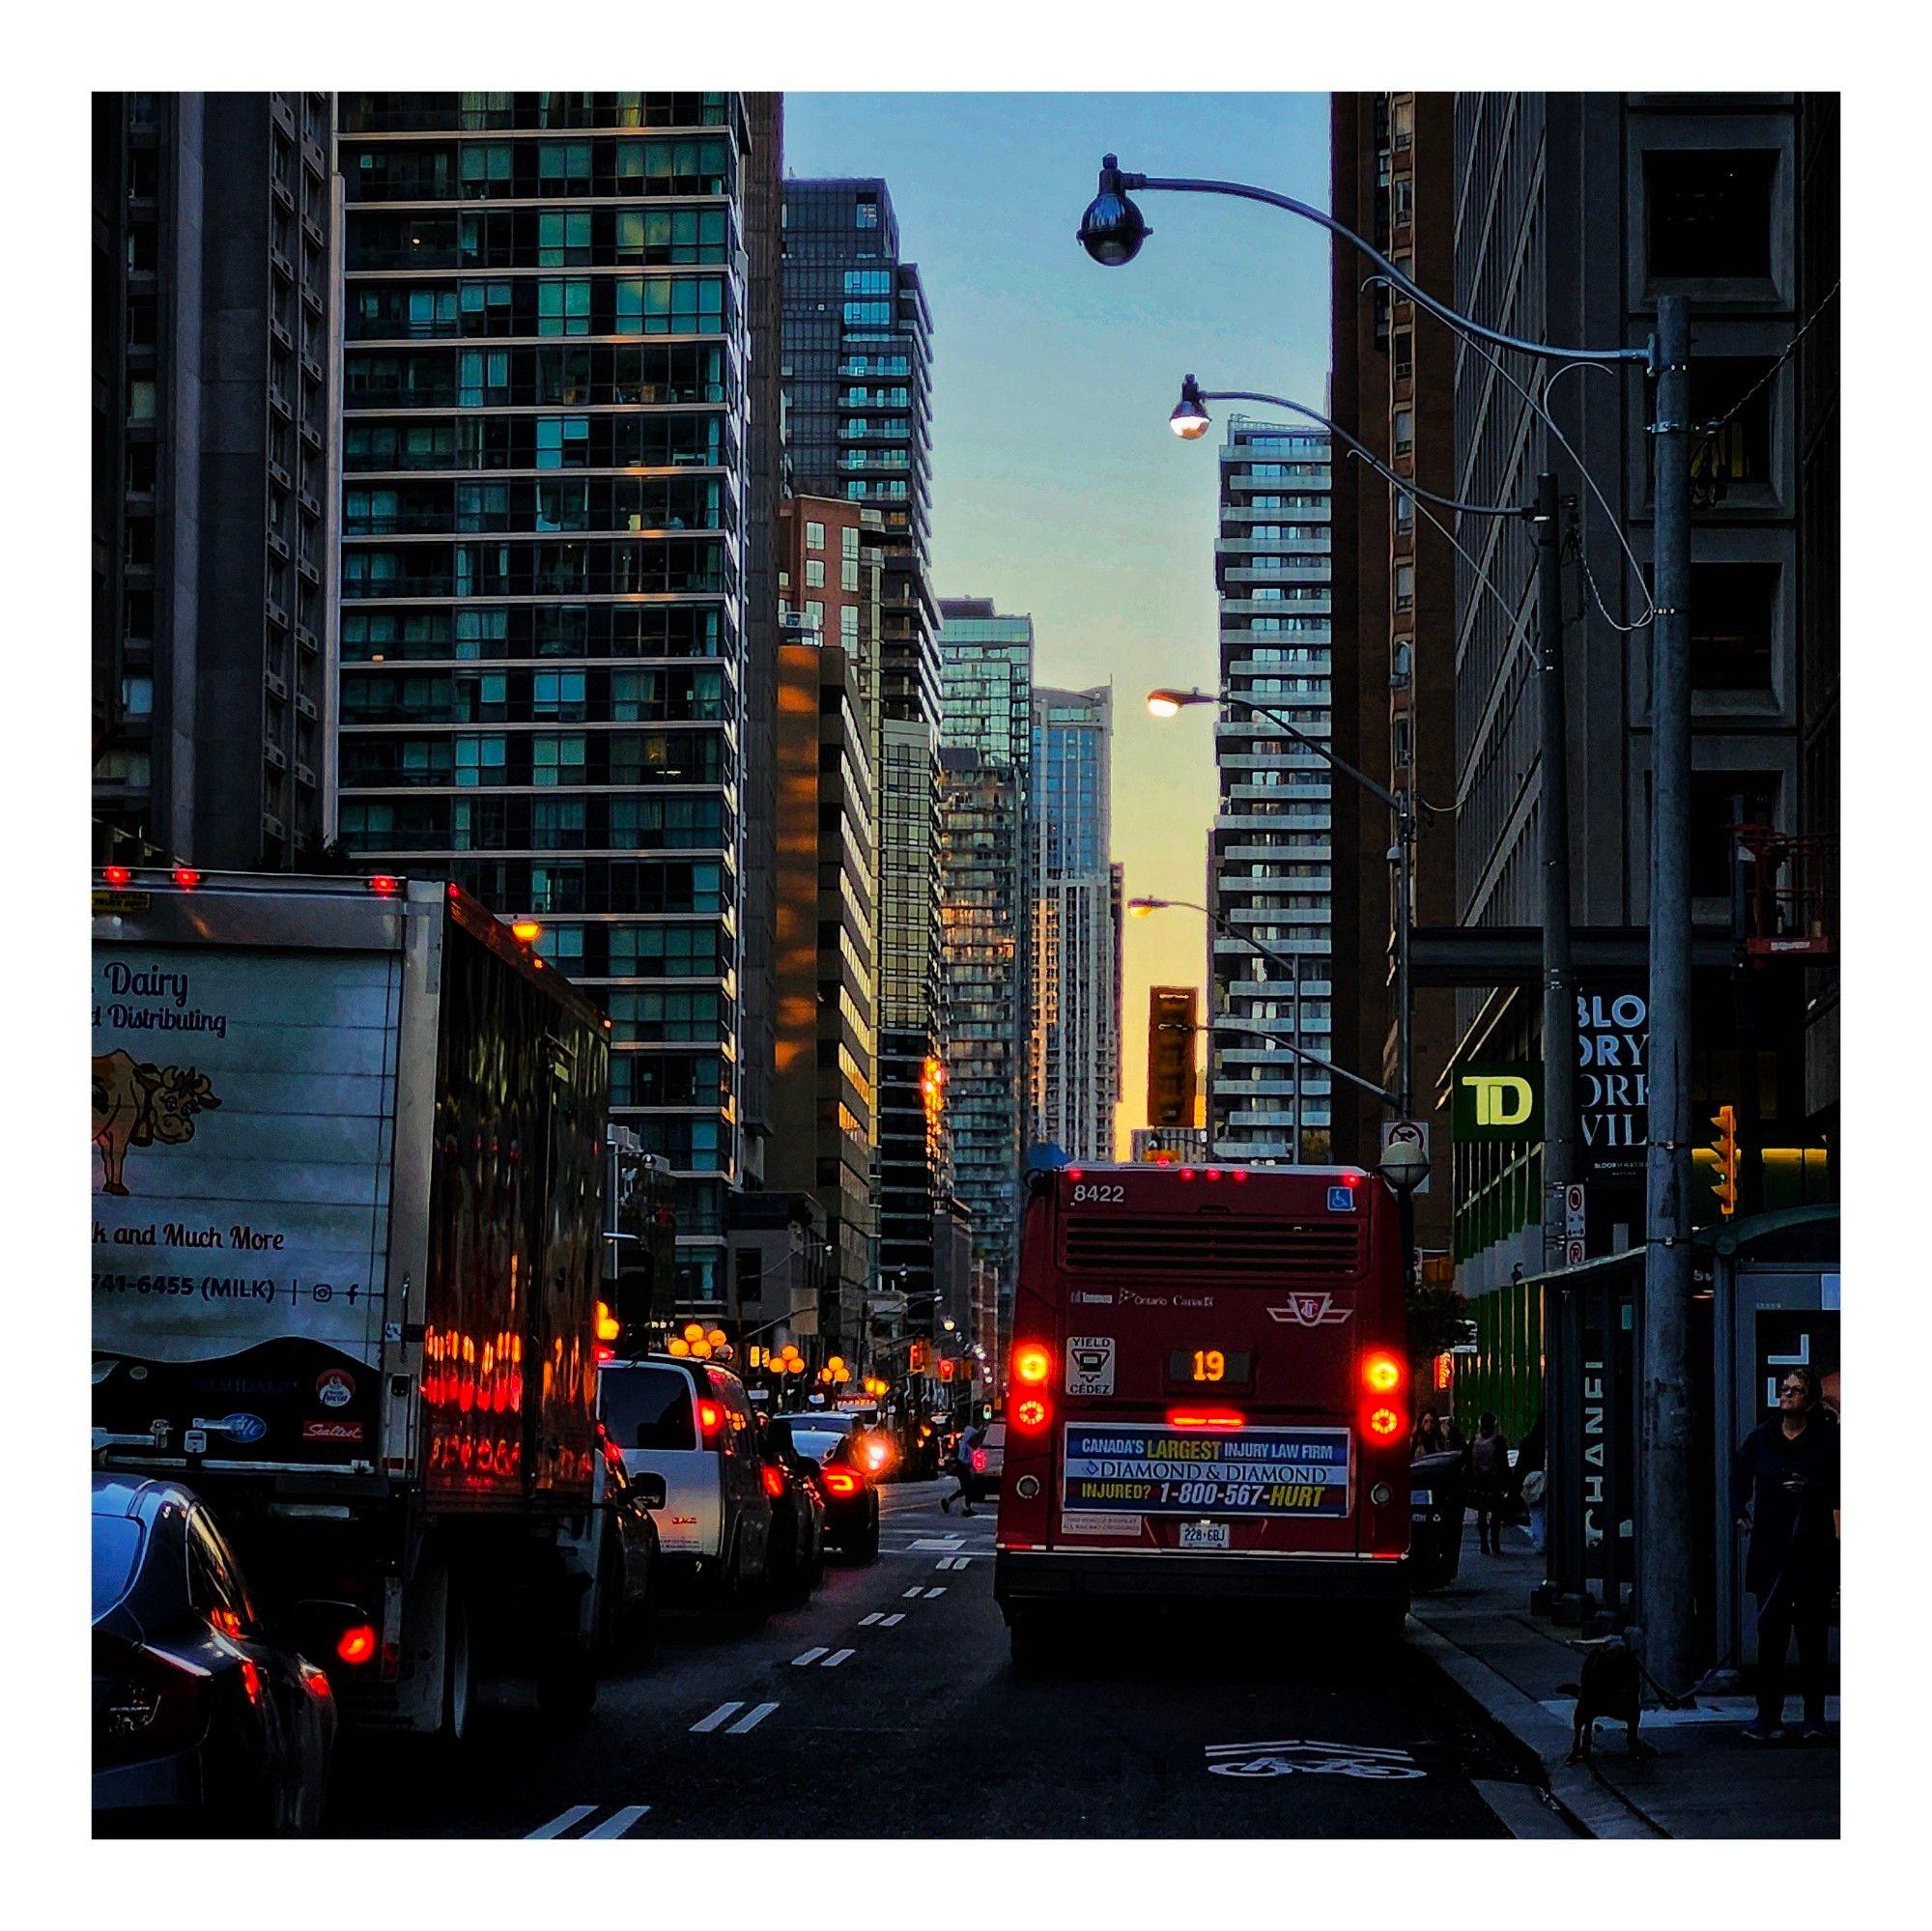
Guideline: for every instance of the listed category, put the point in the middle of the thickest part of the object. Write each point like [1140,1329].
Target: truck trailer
[348,1153]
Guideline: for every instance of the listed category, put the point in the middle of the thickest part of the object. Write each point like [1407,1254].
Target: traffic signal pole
[1559,981]
[1665,1410]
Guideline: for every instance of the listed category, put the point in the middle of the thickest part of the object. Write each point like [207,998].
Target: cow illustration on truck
[137,1103]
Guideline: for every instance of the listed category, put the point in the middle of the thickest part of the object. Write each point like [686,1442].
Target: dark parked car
[795,1563]
[202,1724]
[1436,1490]
[851,1501]
[627,1556]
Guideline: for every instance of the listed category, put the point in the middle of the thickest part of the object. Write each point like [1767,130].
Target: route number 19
[1209,1364]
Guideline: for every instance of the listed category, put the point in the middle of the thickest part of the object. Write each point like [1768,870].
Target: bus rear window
[647,1408]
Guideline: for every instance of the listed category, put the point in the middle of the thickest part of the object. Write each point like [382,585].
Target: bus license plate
[1204,1535]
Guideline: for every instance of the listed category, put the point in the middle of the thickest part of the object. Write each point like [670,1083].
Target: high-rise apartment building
[1271,850]
[987,815]
[1571,214]
[1393,388]
[827,1039]
[1076,1018]
[214,465]
[858,348]
[550,372]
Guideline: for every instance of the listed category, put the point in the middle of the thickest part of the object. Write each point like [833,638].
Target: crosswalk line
[564,1821]
[837,1656]
[616,1826]
[811,1655]
[752,1718]
[723,1714]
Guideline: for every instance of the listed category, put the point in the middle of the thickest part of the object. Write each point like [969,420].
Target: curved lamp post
[1113,232]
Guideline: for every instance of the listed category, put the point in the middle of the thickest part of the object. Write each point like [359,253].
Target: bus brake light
[1029,1416]
[1033,1363]
[1384,1423]
[1382,1372]
[1216,1418]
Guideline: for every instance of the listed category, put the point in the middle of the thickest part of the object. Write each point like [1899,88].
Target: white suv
[689,1424]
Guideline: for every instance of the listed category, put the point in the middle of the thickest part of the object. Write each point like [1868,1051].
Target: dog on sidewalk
[1611,1688]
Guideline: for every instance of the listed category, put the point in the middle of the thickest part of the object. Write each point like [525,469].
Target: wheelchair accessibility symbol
[1293,1756]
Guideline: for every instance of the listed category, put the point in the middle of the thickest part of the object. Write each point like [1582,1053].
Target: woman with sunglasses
[1786,1481]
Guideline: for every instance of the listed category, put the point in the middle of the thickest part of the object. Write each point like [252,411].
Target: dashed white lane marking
[837,1656]
[867,1622]
[564,1821]
[887,1622]
[913,1592]
[938,1589]
[811,1655]
[723,1714]
[615,1827]
[752,1718]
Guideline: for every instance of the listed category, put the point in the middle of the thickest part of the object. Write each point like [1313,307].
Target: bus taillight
[1031,1416]
[1383,1373]
[1033,1362]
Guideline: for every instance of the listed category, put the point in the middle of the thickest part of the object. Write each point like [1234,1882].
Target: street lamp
[1191,420]
[1113,231]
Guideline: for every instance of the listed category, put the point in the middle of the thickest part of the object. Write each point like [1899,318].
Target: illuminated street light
[1190,420]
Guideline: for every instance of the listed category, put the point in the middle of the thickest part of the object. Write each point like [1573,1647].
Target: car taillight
[356,1643]
[710,1418]
[1031,1416]
[153,1707]
[775,1480]
[843,1480]
[1033,1362]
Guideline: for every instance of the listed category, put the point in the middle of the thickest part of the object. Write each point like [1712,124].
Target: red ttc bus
[1207,1396]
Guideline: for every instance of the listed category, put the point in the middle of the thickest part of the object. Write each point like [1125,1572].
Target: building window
[848,625]
[814,573]
[1405,586]
[1402,662]
[815,536]
[1404,201]
[1405,512]
[1709,212]
[1732,607]
[865,213]
[848,575]
[140,401]
[1404,354]
[1403,117]
[1405,431]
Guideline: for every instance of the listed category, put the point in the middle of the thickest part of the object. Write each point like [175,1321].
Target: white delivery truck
[347,1161]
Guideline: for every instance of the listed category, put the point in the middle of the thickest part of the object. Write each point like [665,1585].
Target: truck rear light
[116,875]
[187,877]
[710,1418]
[1213,1418]
[1033,1362]
[1031,1416]
[383,886]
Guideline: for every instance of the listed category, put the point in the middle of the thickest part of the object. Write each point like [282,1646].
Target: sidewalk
[1707,1781]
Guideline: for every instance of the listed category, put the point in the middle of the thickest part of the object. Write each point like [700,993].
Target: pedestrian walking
[1533,1482]
[962,1467]
[1489,1482]
[1785,1479]
[1452,1434]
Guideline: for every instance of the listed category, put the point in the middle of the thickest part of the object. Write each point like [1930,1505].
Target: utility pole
[1664,1411]
[1559,981]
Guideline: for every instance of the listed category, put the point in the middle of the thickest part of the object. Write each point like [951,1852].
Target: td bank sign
[1498,1102]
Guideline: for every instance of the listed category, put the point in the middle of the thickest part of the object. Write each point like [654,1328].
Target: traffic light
[918,1358]
[985,1411]
[1724,1185]
[945,1370]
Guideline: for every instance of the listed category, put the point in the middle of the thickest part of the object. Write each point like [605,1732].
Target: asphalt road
[886,1708]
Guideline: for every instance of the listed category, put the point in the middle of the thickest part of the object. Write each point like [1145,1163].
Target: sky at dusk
[1058,488]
